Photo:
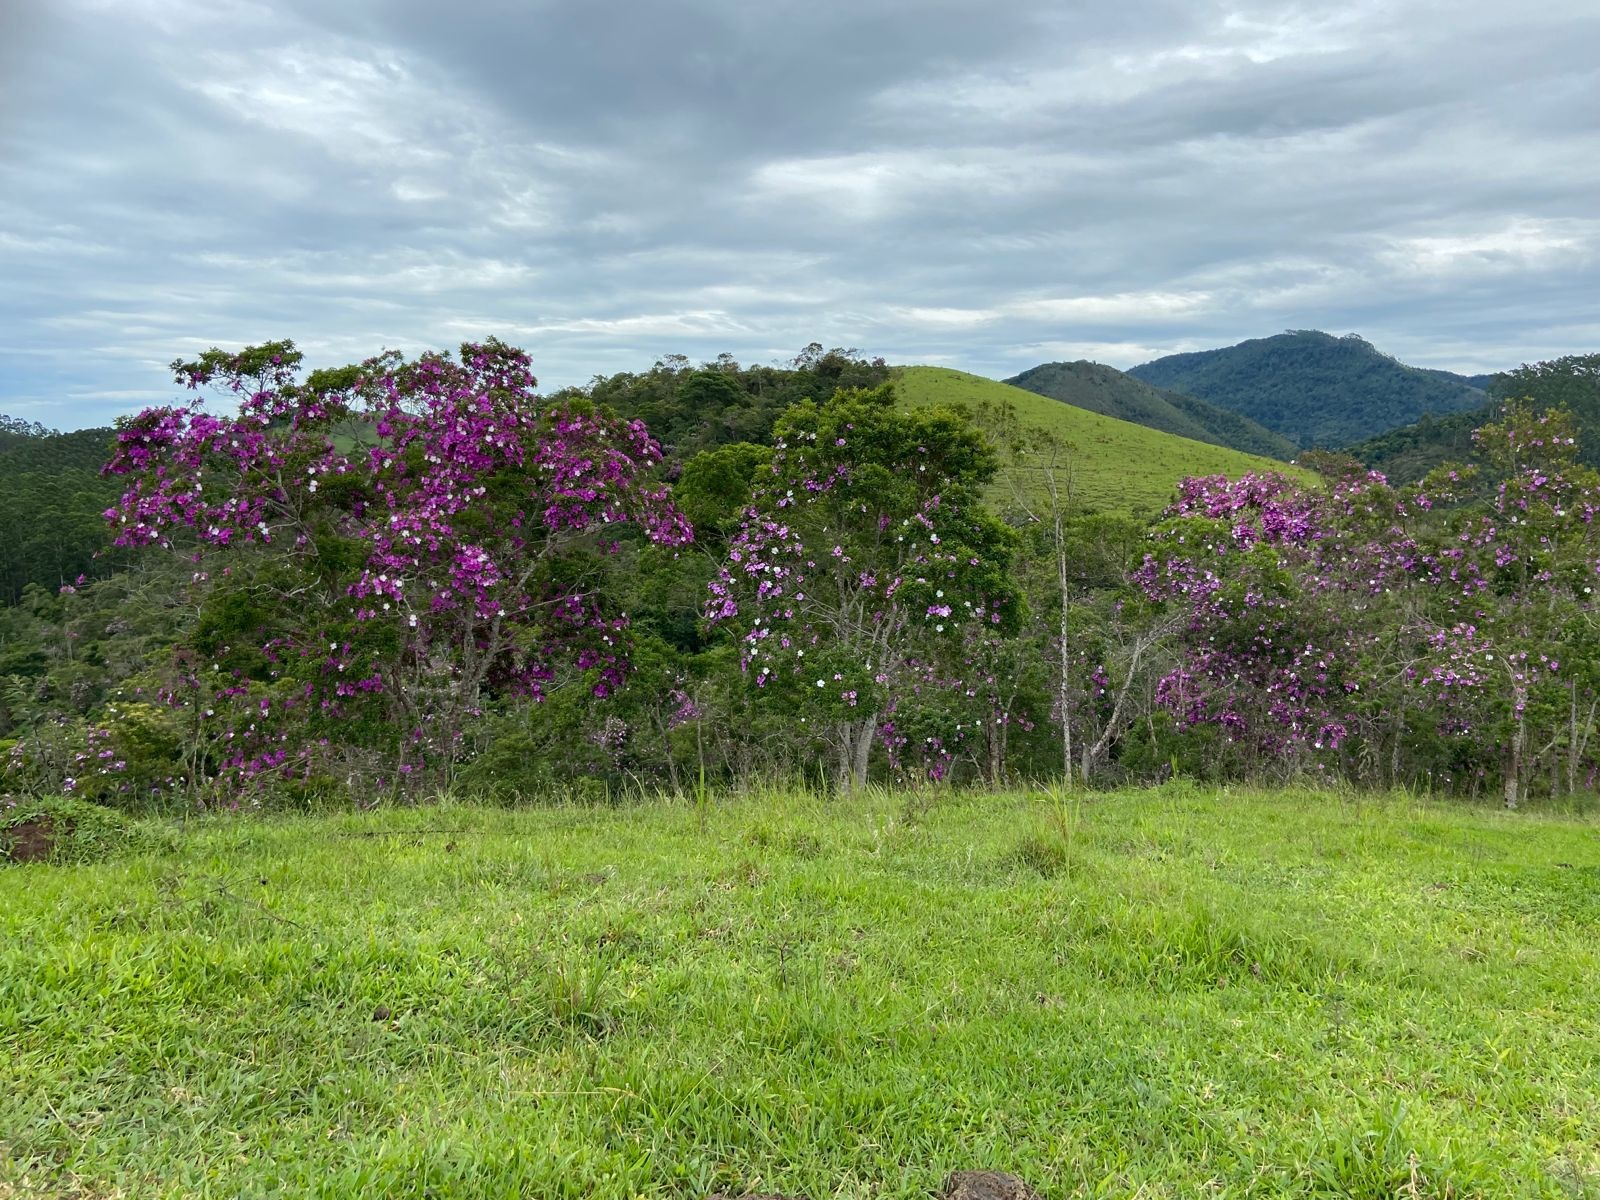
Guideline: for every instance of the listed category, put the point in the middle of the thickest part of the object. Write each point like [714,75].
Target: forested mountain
[1573,383]
[1314,388]
[1113,393]
[51,500]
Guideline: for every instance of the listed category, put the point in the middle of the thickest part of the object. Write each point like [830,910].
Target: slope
[1119,467]
[1312,387]
[1113,393]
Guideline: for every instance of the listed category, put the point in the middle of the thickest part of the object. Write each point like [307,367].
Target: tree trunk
[863,753]
[854,744]
[997,751]
[1063,692]
[843,774]
[1514,763]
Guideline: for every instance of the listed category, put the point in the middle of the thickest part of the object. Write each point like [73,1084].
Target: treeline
[1408,453]
[397,577]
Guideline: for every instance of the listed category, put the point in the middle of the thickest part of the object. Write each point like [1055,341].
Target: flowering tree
[426,532]
[864,557]
[1510,646]
[1266,647]
[1388,620]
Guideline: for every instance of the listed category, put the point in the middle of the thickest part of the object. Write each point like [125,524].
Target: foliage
[1320,620]
[1572,383]
[51,498]
[1386,624]
[863,561]
[1316,389]
[412,537]
[693,409]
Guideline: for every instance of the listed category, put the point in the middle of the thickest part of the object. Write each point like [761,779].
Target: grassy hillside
[1113,393]
[1165,993]
[1120,466]
[1312,387]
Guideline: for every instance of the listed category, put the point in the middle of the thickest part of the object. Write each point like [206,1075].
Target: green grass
[1119,467]
[1163,993]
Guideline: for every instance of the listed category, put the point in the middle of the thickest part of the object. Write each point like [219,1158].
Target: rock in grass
[986,1185]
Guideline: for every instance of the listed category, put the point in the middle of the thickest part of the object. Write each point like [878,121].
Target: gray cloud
[605,183]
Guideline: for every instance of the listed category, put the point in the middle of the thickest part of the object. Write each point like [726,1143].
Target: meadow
[1104,446]
[1180,991]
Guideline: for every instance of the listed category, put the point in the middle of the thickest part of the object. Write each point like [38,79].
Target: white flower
[822,683]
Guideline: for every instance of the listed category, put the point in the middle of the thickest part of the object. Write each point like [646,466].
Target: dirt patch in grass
[31,841]
[959,1185]
[986,1185]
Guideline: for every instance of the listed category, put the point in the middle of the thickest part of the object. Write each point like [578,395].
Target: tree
[1512,633]
[863,557]
[413,536]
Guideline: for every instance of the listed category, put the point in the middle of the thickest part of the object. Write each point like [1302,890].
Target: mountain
[1410,452]
[1312,387]
[1112,393]
[1119,466]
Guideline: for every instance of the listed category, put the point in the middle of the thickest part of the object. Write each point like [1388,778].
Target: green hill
[1312,387]
[1120,466]
[1410,452]
[1113,393]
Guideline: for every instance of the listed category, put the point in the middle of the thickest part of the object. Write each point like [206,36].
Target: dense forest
[396,577]
[52,496]
[1408,453]
[1316,389]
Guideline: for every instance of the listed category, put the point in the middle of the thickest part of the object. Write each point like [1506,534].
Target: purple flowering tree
[429,532]
[862,562]
[1510,655]
[1394,627]
[1269,641]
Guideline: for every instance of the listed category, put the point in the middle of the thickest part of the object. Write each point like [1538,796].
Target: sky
[606,182]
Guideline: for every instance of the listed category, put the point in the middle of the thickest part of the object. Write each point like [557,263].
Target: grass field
[1174,992]
[1120,466]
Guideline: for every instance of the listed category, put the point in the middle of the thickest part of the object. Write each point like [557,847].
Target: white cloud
[933,181]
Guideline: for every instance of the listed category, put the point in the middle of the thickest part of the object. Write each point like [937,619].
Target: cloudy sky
[985,185]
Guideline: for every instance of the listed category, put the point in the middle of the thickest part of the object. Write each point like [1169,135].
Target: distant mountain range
[1313,388]
[1113,393]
